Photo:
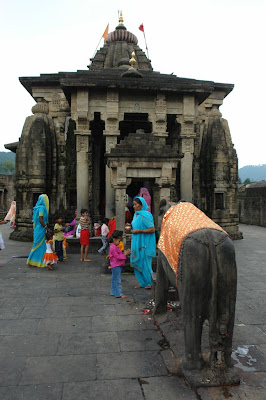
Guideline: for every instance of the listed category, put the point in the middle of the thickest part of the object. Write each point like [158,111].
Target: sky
[216,40]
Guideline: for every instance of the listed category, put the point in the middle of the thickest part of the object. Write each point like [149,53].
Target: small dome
[121,35]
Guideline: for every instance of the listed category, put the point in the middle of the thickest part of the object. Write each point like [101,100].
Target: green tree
[246,181]
[8,167]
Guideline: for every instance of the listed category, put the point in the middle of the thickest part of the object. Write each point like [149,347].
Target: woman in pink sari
[146,196]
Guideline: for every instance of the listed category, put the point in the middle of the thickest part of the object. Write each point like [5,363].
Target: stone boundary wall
[252,203]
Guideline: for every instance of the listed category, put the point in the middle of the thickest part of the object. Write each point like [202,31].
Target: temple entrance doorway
[135,187]
[97,167]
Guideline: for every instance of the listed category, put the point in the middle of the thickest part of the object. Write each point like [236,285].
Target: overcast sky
[218,40]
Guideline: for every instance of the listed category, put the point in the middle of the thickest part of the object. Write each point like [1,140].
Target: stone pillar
[187,147]
[120,200]
[111,132]
[82,171]
[111,141]
[186,169]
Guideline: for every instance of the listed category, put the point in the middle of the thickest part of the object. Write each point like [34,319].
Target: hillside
[253,172]
[7,156]
[7,162]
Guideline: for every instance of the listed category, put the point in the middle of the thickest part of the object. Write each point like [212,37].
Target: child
[59,238]
[50,258]
[104,233]
[84,234]
[2,245]
[117,259]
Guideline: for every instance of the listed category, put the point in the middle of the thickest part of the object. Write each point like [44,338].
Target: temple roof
[117,51]
[110,68]
[111,78]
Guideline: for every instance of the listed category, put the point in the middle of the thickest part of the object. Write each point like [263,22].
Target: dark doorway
[132,122]
[97,127]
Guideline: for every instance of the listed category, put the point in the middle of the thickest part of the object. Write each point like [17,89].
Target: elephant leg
[226,282]
[162,286]
[194,291]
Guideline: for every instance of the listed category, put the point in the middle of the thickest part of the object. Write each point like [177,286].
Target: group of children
[56,243]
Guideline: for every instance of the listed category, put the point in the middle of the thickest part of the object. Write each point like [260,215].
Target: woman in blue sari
[143,244]
[40,220]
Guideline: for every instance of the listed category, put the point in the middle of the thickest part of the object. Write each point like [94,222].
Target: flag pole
[141,28]
[97,47]
[146,44]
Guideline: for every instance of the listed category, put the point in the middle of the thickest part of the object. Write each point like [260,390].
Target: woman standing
[143,245]
[40,220]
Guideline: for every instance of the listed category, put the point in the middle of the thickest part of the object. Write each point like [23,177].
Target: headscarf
[41,209]
[146,195]
[144,210]
[11,212]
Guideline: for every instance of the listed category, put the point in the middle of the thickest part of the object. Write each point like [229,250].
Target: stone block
[10,370]
[119,389]
[139,341]
[168,387]
[29,345]
[130,365]
[58,369]
[32,392]
[118,323]
[100,342]
[64,325]
[25,326]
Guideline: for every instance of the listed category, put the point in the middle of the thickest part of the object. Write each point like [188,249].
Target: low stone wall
[252,203]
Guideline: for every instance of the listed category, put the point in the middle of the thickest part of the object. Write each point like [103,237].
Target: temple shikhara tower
[95,132]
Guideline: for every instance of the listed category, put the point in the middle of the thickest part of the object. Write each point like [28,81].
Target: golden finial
[132,61]
[121,20]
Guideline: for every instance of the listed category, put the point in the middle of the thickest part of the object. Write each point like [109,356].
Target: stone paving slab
[45,312]
[100,342]
[32,392]
[56,369]
[121,389]
[91,310]
[19,326]
[64,325]
[139,340]
[29,345]
[248,334]
[130,365]
[11,369]
[170,388]
[48,320]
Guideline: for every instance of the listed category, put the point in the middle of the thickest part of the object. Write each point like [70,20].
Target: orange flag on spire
[141,28]
[106,33]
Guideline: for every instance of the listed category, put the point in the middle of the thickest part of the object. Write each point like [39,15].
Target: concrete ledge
[74,245]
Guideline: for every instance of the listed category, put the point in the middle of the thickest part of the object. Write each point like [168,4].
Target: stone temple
[95,132]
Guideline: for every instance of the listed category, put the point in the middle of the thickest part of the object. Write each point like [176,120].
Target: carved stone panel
[82,143]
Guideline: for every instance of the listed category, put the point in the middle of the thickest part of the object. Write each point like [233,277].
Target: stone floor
[62,336]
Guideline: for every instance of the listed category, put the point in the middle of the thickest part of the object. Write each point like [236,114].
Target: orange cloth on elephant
[178,222]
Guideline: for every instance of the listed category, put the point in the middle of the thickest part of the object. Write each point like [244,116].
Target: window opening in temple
[97,171]
[173,128]
[219,201]
[132,122]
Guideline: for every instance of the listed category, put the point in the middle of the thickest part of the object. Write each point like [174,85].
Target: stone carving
[203,254]
[82,143]
[42,108]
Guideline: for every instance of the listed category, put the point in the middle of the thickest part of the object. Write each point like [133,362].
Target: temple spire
[121,20]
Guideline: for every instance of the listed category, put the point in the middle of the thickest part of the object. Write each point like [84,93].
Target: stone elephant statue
[197,256]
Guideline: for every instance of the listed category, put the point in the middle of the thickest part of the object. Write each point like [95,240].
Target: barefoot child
[84,234]
[59,238]
[50,258]
[117,260]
